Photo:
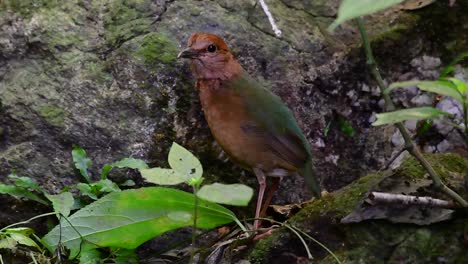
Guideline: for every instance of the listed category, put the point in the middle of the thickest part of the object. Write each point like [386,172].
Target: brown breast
[226,114]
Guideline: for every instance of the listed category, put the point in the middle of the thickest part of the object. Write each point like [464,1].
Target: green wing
[275,122]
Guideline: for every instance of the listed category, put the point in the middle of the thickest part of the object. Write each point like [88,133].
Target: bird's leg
[262,182]
[274,186]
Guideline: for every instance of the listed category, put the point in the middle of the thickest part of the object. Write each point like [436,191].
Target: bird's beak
[188,53]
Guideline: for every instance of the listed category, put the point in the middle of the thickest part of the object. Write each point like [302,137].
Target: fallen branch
[270,18]
[391,198]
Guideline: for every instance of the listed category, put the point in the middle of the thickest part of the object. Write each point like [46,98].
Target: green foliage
[23,187]
[82,162]
[350,9]
[442,87]
[346,127]
[97,189]
[113,220]
[417,113]
[186,168]
[130,163]
[232,194]
[62,203]
[11,237]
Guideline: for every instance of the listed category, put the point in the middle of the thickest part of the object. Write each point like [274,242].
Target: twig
[389,106]
[392,198]
[270,18]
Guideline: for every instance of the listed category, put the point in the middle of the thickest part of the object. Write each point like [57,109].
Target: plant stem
[389,106]
[27,221]
[194,228]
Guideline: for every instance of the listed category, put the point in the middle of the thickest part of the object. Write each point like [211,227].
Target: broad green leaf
[184,163]
[130,163]
[408,114]
[128,218]
[461,86]
[23,240]
[162,176]
[232,194]
[62,202]
[350,9]
[20,192]
[82,162]
[25,182]
[439,87]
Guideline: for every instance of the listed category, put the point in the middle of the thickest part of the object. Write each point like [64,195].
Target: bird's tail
[308,173]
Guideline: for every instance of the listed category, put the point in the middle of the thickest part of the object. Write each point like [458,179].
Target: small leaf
[130,163]
[106,186]
[350,9]
[113,220]
[408,114]
[89,254]
[25,182]
[346,127]
[82,163]
[21,230]
[24,240]
[128,183]
[184,163]
[450,67]
[87,190]
[125,256]
[439,87]
[20,192]
[232,194]
[162,176]
[62,202]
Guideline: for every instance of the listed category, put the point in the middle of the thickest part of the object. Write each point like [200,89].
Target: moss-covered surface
[53,114]
[156,47]
[373,241]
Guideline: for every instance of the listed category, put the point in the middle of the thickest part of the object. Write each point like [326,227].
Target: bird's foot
[264,232]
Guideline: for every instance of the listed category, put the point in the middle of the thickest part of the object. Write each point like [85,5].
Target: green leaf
[21,230]
[350,9]
[90,254]
[82,163]
[128,218]
[130,163]
[408,114]
[450,67]
[461,86]
[439,87]
[62,202]
[106,186]
[162,176]
[346,127]
[25,182]
[23,240]
[20,192]
[232,194]
[128,183]
[87,190]
[184,163]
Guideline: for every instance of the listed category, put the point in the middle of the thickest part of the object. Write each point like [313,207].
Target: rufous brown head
[210,57]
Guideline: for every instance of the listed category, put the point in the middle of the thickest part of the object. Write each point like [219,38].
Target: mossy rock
[372,241]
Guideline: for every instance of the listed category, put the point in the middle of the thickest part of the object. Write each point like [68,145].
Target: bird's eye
[211,48]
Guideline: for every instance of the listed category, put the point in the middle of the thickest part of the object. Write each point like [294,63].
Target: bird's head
[210,57]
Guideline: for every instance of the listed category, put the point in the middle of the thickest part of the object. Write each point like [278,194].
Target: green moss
[377,241]
[27,7]
[156,47]
[53,114]
[127,19]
